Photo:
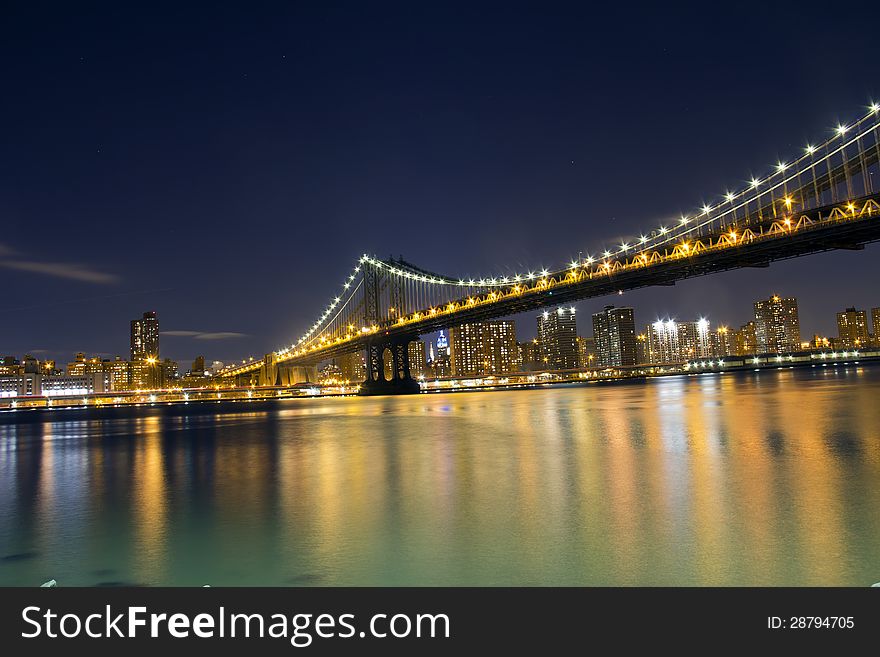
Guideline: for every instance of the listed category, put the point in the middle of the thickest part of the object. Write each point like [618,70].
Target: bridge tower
[383,348]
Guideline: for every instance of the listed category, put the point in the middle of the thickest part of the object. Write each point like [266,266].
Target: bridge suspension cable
[381,294]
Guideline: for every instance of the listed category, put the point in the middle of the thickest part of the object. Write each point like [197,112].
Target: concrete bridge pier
[381,352]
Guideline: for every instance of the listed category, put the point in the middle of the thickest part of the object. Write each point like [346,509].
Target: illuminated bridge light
[325,333]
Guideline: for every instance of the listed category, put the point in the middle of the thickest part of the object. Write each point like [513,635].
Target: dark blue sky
[226,167]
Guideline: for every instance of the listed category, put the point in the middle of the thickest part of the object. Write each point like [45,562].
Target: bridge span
[824,200]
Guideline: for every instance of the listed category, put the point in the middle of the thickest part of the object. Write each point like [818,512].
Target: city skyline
[665,340]
[199,160]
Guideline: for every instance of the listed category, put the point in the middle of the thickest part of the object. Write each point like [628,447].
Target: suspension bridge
[825,198]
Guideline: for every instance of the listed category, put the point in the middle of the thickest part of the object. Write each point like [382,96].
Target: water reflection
[750,479]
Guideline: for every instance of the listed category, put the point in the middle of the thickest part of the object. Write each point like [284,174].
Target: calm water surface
[748,479]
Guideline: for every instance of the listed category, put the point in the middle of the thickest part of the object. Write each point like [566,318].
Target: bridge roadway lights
[401,382]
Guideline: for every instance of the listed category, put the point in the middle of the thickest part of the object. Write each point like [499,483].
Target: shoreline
[203,398]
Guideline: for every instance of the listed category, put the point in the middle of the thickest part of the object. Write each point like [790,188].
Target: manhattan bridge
[826,197]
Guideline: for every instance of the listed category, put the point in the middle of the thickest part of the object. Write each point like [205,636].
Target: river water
[769,478]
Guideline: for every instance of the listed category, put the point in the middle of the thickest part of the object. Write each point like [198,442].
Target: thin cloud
[200,335]
[58,269]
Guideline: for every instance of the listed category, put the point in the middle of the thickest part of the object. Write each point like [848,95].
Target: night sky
[227,167]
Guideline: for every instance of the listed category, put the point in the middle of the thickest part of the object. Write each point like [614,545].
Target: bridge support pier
[394,351]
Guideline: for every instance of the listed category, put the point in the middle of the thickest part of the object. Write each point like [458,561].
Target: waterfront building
[722,342]
[643,350]
[353,367]
[484,348]
[694,340]
[663,343]
[557,335]
[745,340]
[330,374]
[777,326]
[671,342]
[119,372]
[614,330]
[168,372]
[49,385]
[530,356]
[852,329]
[875,323]
[78,366]
[143,375]
[417,360]
[198,366]
[145,337]
[586,352]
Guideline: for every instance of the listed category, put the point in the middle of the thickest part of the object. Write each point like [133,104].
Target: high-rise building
[643,347]
[530,355]
[353,367]
[484,348]
[439,355]
[614,330]
[663,342]
[145,337]
[745,340]
[777,326]
[198,366]
[676,342]
[586,352]
[852,328]
[557,335]
[722,342]
[417,361]
[694,339]
[875,323]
